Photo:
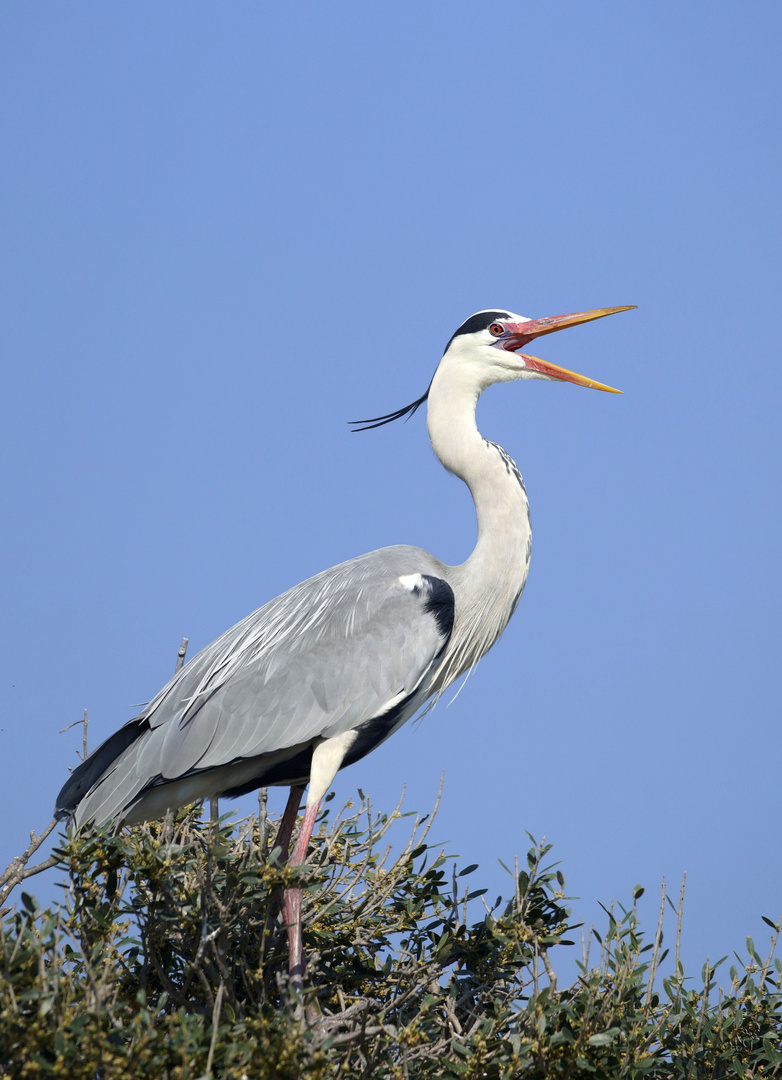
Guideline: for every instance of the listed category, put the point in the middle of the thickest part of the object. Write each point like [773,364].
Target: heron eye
[497,329]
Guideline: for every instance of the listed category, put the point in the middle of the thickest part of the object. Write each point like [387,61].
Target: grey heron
[320,676]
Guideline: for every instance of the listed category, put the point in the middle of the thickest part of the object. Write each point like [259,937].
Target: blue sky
[228,229]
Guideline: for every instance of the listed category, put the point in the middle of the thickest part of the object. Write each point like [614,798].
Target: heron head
[485,348]
[490,340]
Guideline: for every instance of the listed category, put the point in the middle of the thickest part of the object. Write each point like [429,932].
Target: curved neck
[490,582]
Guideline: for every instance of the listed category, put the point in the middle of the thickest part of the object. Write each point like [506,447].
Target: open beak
[519,334]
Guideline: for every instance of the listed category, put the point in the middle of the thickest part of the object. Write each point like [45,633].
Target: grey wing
[322,659]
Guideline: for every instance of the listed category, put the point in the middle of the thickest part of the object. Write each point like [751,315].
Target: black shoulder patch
[441,603]
[477,322]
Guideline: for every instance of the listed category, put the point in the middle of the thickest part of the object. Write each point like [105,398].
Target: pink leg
[283,838]
[291,903]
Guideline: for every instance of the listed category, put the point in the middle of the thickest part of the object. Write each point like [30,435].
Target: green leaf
[604,1038]
[587,1066]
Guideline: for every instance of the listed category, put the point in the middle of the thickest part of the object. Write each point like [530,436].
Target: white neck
[488,585]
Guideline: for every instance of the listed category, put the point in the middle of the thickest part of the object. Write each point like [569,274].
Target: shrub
[167,958]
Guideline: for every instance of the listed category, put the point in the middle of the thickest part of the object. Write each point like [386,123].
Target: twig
[83,721]
[552,978]
[679,913]
[656,950]
[215,1027]
[15,872]
[767,964]
[180,657]
[263,822]
[708,972]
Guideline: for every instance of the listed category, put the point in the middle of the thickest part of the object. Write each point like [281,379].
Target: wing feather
[311,683]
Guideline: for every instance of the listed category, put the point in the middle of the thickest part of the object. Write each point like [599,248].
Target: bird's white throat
[490,582]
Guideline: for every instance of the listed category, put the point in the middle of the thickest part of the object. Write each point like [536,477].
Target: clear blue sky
[229,228]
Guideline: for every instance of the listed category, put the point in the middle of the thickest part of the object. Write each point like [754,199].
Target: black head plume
[378,421]
[476,322]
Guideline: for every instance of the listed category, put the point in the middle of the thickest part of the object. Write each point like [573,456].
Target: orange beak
[519,334]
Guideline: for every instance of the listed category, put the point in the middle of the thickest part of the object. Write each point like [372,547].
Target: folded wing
[326,657]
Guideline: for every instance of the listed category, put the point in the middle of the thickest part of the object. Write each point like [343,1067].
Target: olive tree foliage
[167,957]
